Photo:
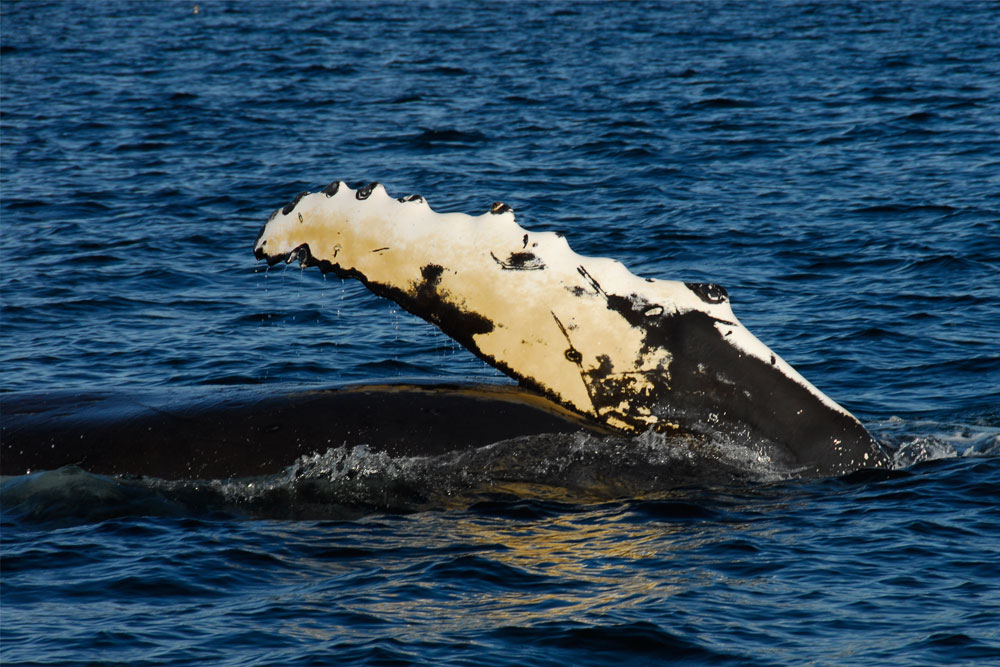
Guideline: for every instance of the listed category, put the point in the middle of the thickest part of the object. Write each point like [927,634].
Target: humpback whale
[623,352]
[597,352]
[233,432]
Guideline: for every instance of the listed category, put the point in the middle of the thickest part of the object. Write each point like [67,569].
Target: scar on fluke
[709,292]
[590,279]
[366,192]
[520,261]
[290,206]
[571,353]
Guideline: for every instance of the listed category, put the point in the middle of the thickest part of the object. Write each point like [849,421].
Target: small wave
[230,380]
[487,574]
[287,317]
[523,100]
[674,511]
[407,99]
[436,138]
[636,639]
[919,117]
[903,209]
[15,203]
[449,70]
[141,146]
[71,495]
[340,69]
[953,647]
[722,103]
[915,441]
[879,334]
[346,482]
[946,264]
[894,62]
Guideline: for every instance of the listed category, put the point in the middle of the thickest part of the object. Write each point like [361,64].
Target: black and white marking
[628,352]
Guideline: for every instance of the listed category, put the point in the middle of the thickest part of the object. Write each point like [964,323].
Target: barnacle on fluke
[626,352]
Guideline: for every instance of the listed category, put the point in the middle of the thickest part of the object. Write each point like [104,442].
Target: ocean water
[835,165]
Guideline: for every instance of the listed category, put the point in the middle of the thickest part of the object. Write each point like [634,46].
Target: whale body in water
[626,353]
[597,351]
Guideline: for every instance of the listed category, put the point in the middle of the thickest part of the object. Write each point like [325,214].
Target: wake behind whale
[628,353]
[349,481]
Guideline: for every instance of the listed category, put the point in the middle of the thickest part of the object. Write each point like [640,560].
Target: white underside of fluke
[547,306]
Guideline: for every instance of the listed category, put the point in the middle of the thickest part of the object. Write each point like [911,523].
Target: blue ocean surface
[835,165]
